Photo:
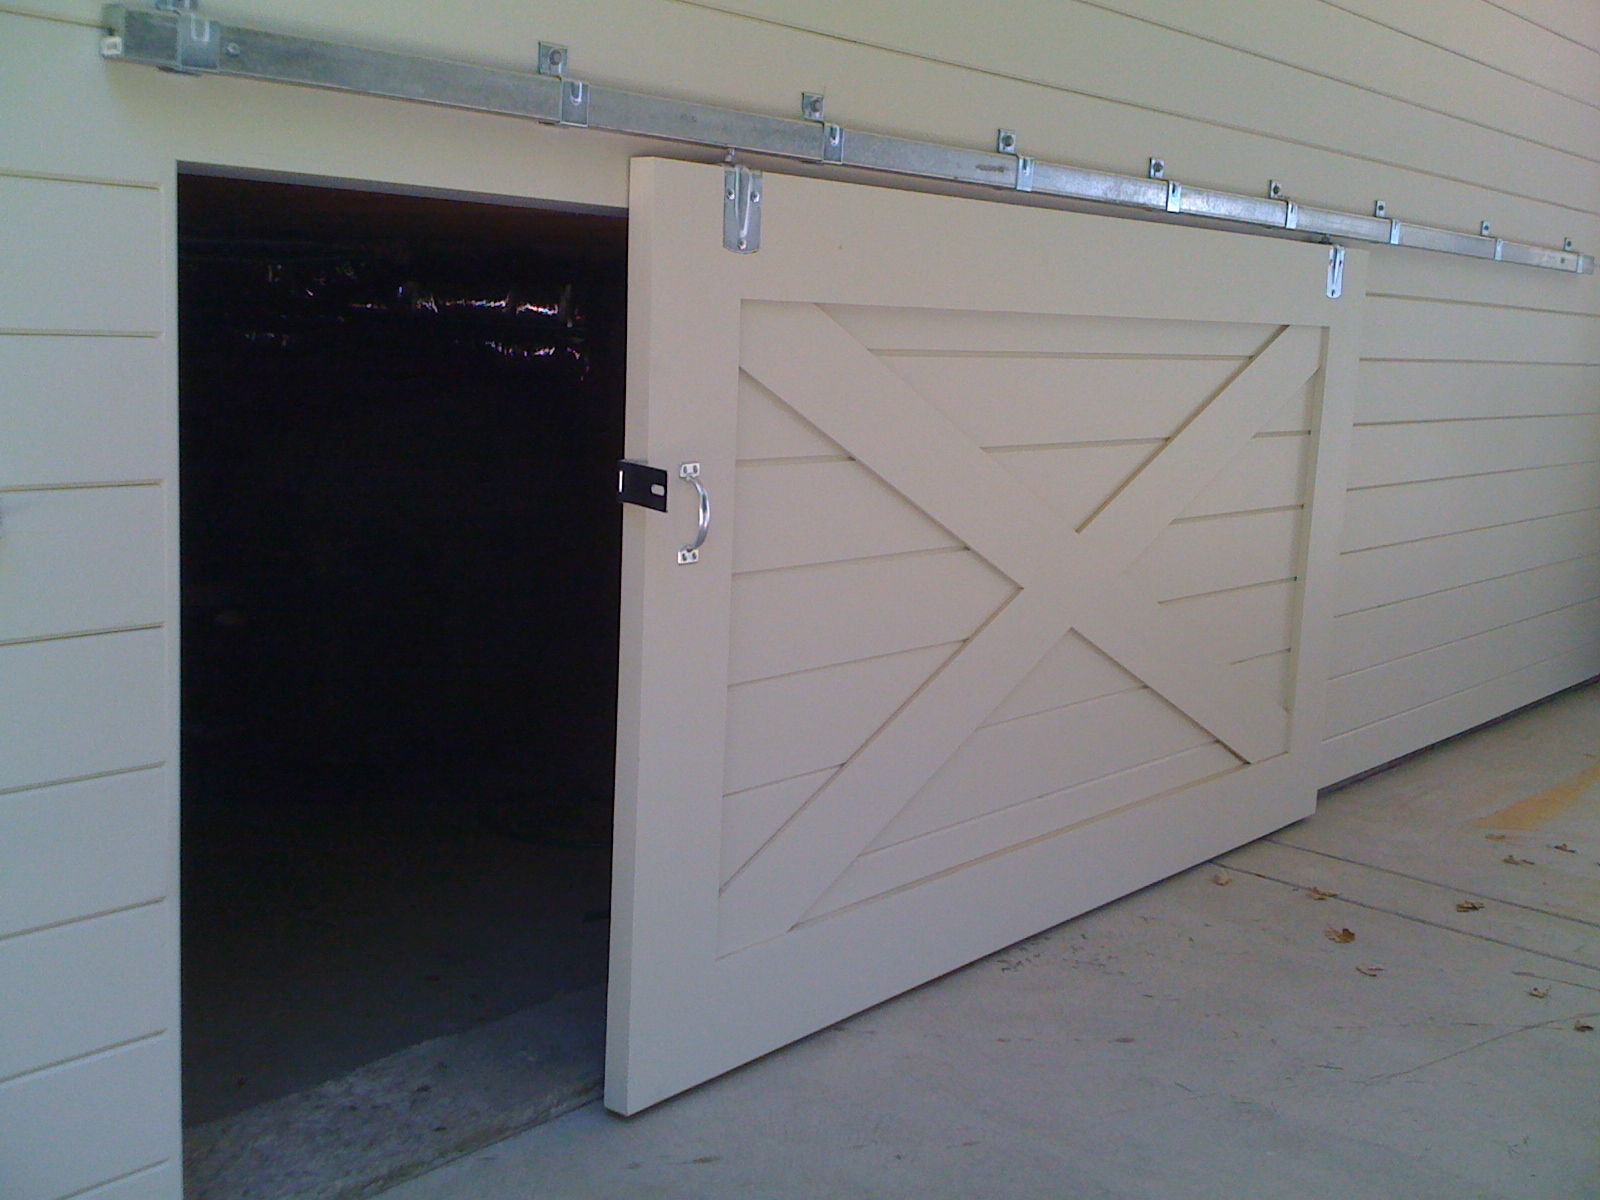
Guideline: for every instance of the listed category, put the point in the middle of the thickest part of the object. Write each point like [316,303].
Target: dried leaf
[1582,1026]
[1343,936]
[1517,862]
[1319,894]
[1122,1040]
[1221,880]
[1564,848]
[1495,837]
[1467,906]
[1539,993]
[1370,972]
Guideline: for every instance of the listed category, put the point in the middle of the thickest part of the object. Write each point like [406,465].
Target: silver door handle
[691,552]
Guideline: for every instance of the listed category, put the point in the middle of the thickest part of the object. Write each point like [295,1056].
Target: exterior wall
[1471,579]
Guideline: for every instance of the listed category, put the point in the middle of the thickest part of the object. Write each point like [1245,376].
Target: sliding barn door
[1012,600]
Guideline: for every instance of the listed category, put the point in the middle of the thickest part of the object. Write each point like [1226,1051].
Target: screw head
[1158,168]
[1380,209]
[232,50]
[1275,190]
[1483,230]
[1566,244]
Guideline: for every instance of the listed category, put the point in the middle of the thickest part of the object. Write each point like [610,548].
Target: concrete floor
[1203,1038]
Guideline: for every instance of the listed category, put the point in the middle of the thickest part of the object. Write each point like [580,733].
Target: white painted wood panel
[1376,635]
[903,863]
[1270,677]
[81,559]
[1320,38]
[67,1129]
[1214,553]
[1442,449]
[936,331]
[814,617]
[769,428]
[1028,757]
[82,706]
[75,989]
[1436,391]
[1424,275]
[750,817]
[1571,19]
[83,848]
[1492,36]
[91,255]
[1073,671]
[797,514]
[824,715]
[1363,697]
[1407,512]
[53,390]
[1388,574]
[1428,329]
[1076,480]
[1024,401]
[1384,741]
[1270,473]
[1241,623]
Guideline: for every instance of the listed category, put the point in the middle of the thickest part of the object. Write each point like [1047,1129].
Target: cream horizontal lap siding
[1471,569]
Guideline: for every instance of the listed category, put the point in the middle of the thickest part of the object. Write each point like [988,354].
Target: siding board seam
[1135,686]
[1584,100]
[1482,683]
[78,1060]
[51,926]
[1408,298]
[79,486]
[34,14]
[70,779]
[744,683]
[97,1189]
[929,552]
[72,635]
[1585,412]
[1491,362]
[1370,90]
[1552,31]
[1404,483]
[1538,616]
[144,185]
[82,333]
[1462,533]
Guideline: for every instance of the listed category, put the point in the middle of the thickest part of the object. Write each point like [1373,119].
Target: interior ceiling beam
[175,38]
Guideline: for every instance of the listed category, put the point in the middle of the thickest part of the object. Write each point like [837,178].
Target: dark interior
[400,418]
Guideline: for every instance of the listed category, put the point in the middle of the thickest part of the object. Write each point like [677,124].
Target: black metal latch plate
[638,483]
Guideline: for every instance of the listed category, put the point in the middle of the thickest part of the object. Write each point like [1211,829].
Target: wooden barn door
[1012,600]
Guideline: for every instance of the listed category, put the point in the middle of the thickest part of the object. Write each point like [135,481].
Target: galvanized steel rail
[172,36]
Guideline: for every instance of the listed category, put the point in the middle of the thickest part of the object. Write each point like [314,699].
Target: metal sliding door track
[172,36]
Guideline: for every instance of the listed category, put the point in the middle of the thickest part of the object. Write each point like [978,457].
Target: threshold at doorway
[395,1118]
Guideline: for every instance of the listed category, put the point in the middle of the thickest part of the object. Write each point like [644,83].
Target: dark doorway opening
[400,418]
